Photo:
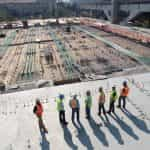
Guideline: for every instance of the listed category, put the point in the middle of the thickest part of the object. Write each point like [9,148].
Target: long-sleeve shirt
[88,101]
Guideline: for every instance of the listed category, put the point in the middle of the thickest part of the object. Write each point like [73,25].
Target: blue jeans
[88,111]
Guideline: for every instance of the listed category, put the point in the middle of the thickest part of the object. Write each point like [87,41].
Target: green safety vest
[88,101]
[112,97]
[60,105]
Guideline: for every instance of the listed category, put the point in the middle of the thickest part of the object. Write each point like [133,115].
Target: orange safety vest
[39,110]
[125,91]
[73,103]
[102,98]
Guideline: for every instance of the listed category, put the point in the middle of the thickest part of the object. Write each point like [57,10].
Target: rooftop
[130,130]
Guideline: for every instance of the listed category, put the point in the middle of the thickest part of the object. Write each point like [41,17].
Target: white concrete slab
[126,131]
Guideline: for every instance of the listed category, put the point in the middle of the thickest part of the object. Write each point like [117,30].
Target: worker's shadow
[68,138]
[98,132]
[124,126]
[83,136]
[45,145]
[139,123]
[113,130]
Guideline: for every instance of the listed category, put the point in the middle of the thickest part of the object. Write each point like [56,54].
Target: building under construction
[71,50]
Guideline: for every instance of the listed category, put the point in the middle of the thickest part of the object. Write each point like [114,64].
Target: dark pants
[100,108]
[122,98]
[112,107]
[41,124]
[62,116]
[88,111]
[75,111]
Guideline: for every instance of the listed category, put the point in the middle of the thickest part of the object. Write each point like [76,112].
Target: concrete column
[115,11]
[52,7]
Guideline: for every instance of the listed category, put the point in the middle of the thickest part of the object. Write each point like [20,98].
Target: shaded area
[113,130]
[83,136]
[125,127]
[68,138]
[139,123]
[45,145]
[98,132]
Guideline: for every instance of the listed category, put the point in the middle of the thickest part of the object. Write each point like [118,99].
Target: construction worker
[88,104]
[61,110]
[38,110]
[123,95]
[101,102]
[113,98]
[75,106]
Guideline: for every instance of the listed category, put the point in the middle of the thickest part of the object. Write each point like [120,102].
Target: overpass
[116,10]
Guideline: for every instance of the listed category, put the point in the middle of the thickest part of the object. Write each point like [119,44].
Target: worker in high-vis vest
[123,95]
[88,104]
[101,102]
[113,98]
[61,110]
[38,111]
[75,106]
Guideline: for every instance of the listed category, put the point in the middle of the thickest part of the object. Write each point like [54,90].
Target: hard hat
[61,96]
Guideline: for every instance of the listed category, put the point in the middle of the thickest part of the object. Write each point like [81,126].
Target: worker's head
[61,96]
[75,96]
[125,83]
[38,101]
[88,93]
[114,88]
[100,89]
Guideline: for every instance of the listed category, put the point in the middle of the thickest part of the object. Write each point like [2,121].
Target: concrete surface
[124,131]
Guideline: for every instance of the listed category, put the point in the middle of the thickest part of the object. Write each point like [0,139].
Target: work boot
[109,112]
[45,130]
[88,117]
[99,114]
[66,123]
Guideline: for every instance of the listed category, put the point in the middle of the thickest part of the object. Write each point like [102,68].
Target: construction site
[70,50]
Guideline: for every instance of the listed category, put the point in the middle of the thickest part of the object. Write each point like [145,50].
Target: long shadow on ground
[68,138]
[98,132]
[139,123]
[45,145]
[125,127]
[83,136]
[113,130]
